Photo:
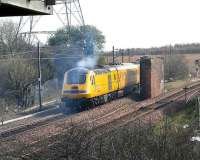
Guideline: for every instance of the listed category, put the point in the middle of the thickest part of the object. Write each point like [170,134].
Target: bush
[175,67]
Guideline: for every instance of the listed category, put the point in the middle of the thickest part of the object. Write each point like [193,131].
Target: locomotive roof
[107,68]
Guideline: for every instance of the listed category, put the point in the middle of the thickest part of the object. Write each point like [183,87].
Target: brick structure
[151,77]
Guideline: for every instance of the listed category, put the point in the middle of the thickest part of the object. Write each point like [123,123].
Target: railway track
[151,109]
[21,128]
[120,109]
[77,119]
[145,107]
[58,118]
[129,112]
[100,124]
[122,117]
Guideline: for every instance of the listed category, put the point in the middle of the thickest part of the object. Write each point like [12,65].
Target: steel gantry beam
[67,12]
[26,7]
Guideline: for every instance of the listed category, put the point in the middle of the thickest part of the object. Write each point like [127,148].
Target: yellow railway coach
[101,84]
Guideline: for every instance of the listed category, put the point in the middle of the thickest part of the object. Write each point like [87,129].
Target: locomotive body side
[99,84]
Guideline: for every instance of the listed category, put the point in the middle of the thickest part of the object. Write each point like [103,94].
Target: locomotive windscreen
[77,76]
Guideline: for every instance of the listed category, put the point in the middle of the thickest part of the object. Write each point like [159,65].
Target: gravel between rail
[122,110]
[105,125]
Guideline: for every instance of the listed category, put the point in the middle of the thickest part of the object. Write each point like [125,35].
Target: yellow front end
[76,84]
[75,91]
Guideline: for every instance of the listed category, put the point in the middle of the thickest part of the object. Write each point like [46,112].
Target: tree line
[18,56]
[191,48]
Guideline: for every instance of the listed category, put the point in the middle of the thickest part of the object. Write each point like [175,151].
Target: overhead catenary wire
[28,59]
[56,56]
[25,54]
[33,51]
[43,58]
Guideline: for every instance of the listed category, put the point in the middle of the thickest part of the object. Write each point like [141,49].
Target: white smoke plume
[88,62]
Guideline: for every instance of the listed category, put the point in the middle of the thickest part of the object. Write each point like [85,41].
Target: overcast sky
[140,23]
[144,23]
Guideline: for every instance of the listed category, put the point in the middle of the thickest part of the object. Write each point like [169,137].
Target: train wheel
[101,100]
[105,97]
[95,101]
[109,97]
[115,95]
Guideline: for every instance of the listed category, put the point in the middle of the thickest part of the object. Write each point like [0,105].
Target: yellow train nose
[75,91]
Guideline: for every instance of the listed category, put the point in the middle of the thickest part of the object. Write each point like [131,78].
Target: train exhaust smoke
[88,62]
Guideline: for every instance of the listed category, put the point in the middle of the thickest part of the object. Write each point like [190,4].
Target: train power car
[100,84]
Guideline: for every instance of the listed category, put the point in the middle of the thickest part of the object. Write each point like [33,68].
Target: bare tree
[18,75]
[10,38]
[175,67]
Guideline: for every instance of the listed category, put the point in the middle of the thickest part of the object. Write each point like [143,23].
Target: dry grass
[175,84]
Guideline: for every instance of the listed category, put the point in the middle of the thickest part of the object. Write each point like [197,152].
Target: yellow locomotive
[100,84]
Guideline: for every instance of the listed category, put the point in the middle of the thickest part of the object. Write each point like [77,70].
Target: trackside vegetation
[168,139]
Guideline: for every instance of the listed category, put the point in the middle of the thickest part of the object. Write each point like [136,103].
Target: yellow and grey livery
[100,84]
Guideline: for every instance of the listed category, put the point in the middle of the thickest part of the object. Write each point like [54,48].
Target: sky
[140,23]
[144,23]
